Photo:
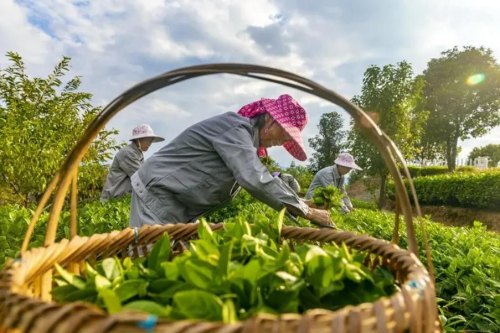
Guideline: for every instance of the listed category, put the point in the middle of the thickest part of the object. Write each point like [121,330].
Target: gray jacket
[201,169]
[125,164]
[327,176]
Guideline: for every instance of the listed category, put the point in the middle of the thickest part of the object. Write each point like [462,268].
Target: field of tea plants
[466,260]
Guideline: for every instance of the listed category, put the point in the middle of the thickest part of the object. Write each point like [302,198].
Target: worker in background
[127,161]
[335,175]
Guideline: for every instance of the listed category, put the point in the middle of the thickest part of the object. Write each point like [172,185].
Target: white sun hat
[346,159]
[145,131]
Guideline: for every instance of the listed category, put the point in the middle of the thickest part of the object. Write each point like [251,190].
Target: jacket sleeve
[236,149]
[130,161]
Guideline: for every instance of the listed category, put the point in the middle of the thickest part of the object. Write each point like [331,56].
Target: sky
[115,44]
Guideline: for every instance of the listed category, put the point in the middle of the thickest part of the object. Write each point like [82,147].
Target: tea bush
[94,217]
[467,265]
[416,171]
[466,260]
[477,190]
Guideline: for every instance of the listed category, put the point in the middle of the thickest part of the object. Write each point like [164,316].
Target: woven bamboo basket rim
[22,303]
[411,307]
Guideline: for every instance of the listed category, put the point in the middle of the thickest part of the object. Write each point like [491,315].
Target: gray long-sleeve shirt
[124,165]
[329,176]
[201,170]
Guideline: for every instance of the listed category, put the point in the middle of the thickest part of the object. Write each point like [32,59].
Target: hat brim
[155,138]
[349,165]
[295,146]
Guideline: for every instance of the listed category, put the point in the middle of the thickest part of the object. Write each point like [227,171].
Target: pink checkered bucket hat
[289,114]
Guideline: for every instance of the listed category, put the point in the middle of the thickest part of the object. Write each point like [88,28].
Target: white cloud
[17,34]
[115,44]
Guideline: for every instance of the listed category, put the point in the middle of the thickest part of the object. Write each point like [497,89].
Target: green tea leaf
[111,300]
[279,222]
[60,293]
[198,273]
[205,250]
[72,279]
[131,288]
[252,270]
[225,258]
[65,294]
[198,304]
[111,268]
[147,307]
[229,312]
[90,272]
[171,270]
[286,277]
[205,232]
[167,293]
[159,253]
[101,282]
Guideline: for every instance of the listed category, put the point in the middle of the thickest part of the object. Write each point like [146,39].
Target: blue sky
[115,44]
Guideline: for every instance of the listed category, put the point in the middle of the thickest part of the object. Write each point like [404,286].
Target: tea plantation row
[472,189]
[466,260]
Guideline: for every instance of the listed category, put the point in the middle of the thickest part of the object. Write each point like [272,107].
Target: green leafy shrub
[416,171]
[94,217]
[232,208]
[41,119]
[466,260]
[356,203]
[478,190]
[467,265]
[14,220]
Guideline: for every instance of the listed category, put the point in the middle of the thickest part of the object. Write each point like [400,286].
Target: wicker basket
[25,283]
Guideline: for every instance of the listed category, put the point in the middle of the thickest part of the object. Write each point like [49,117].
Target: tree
[492,151]
[392,96]
[329,142]
[462,95]
[40,121]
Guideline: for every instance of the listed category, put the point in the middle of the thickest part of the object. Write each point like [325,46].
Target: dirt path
[455,216]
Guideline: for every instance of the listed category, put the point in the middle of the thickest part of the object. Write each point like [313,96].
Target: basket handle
[385,145]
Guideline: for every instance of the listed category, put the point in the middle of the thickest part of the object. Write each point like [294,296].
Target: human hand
[320,218]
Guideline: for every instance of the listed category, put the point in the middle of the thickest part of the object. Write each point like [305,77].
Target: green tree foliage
[462,95]
[492,151]
[329,142]
[428,148]
[41,119]
[392,96]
